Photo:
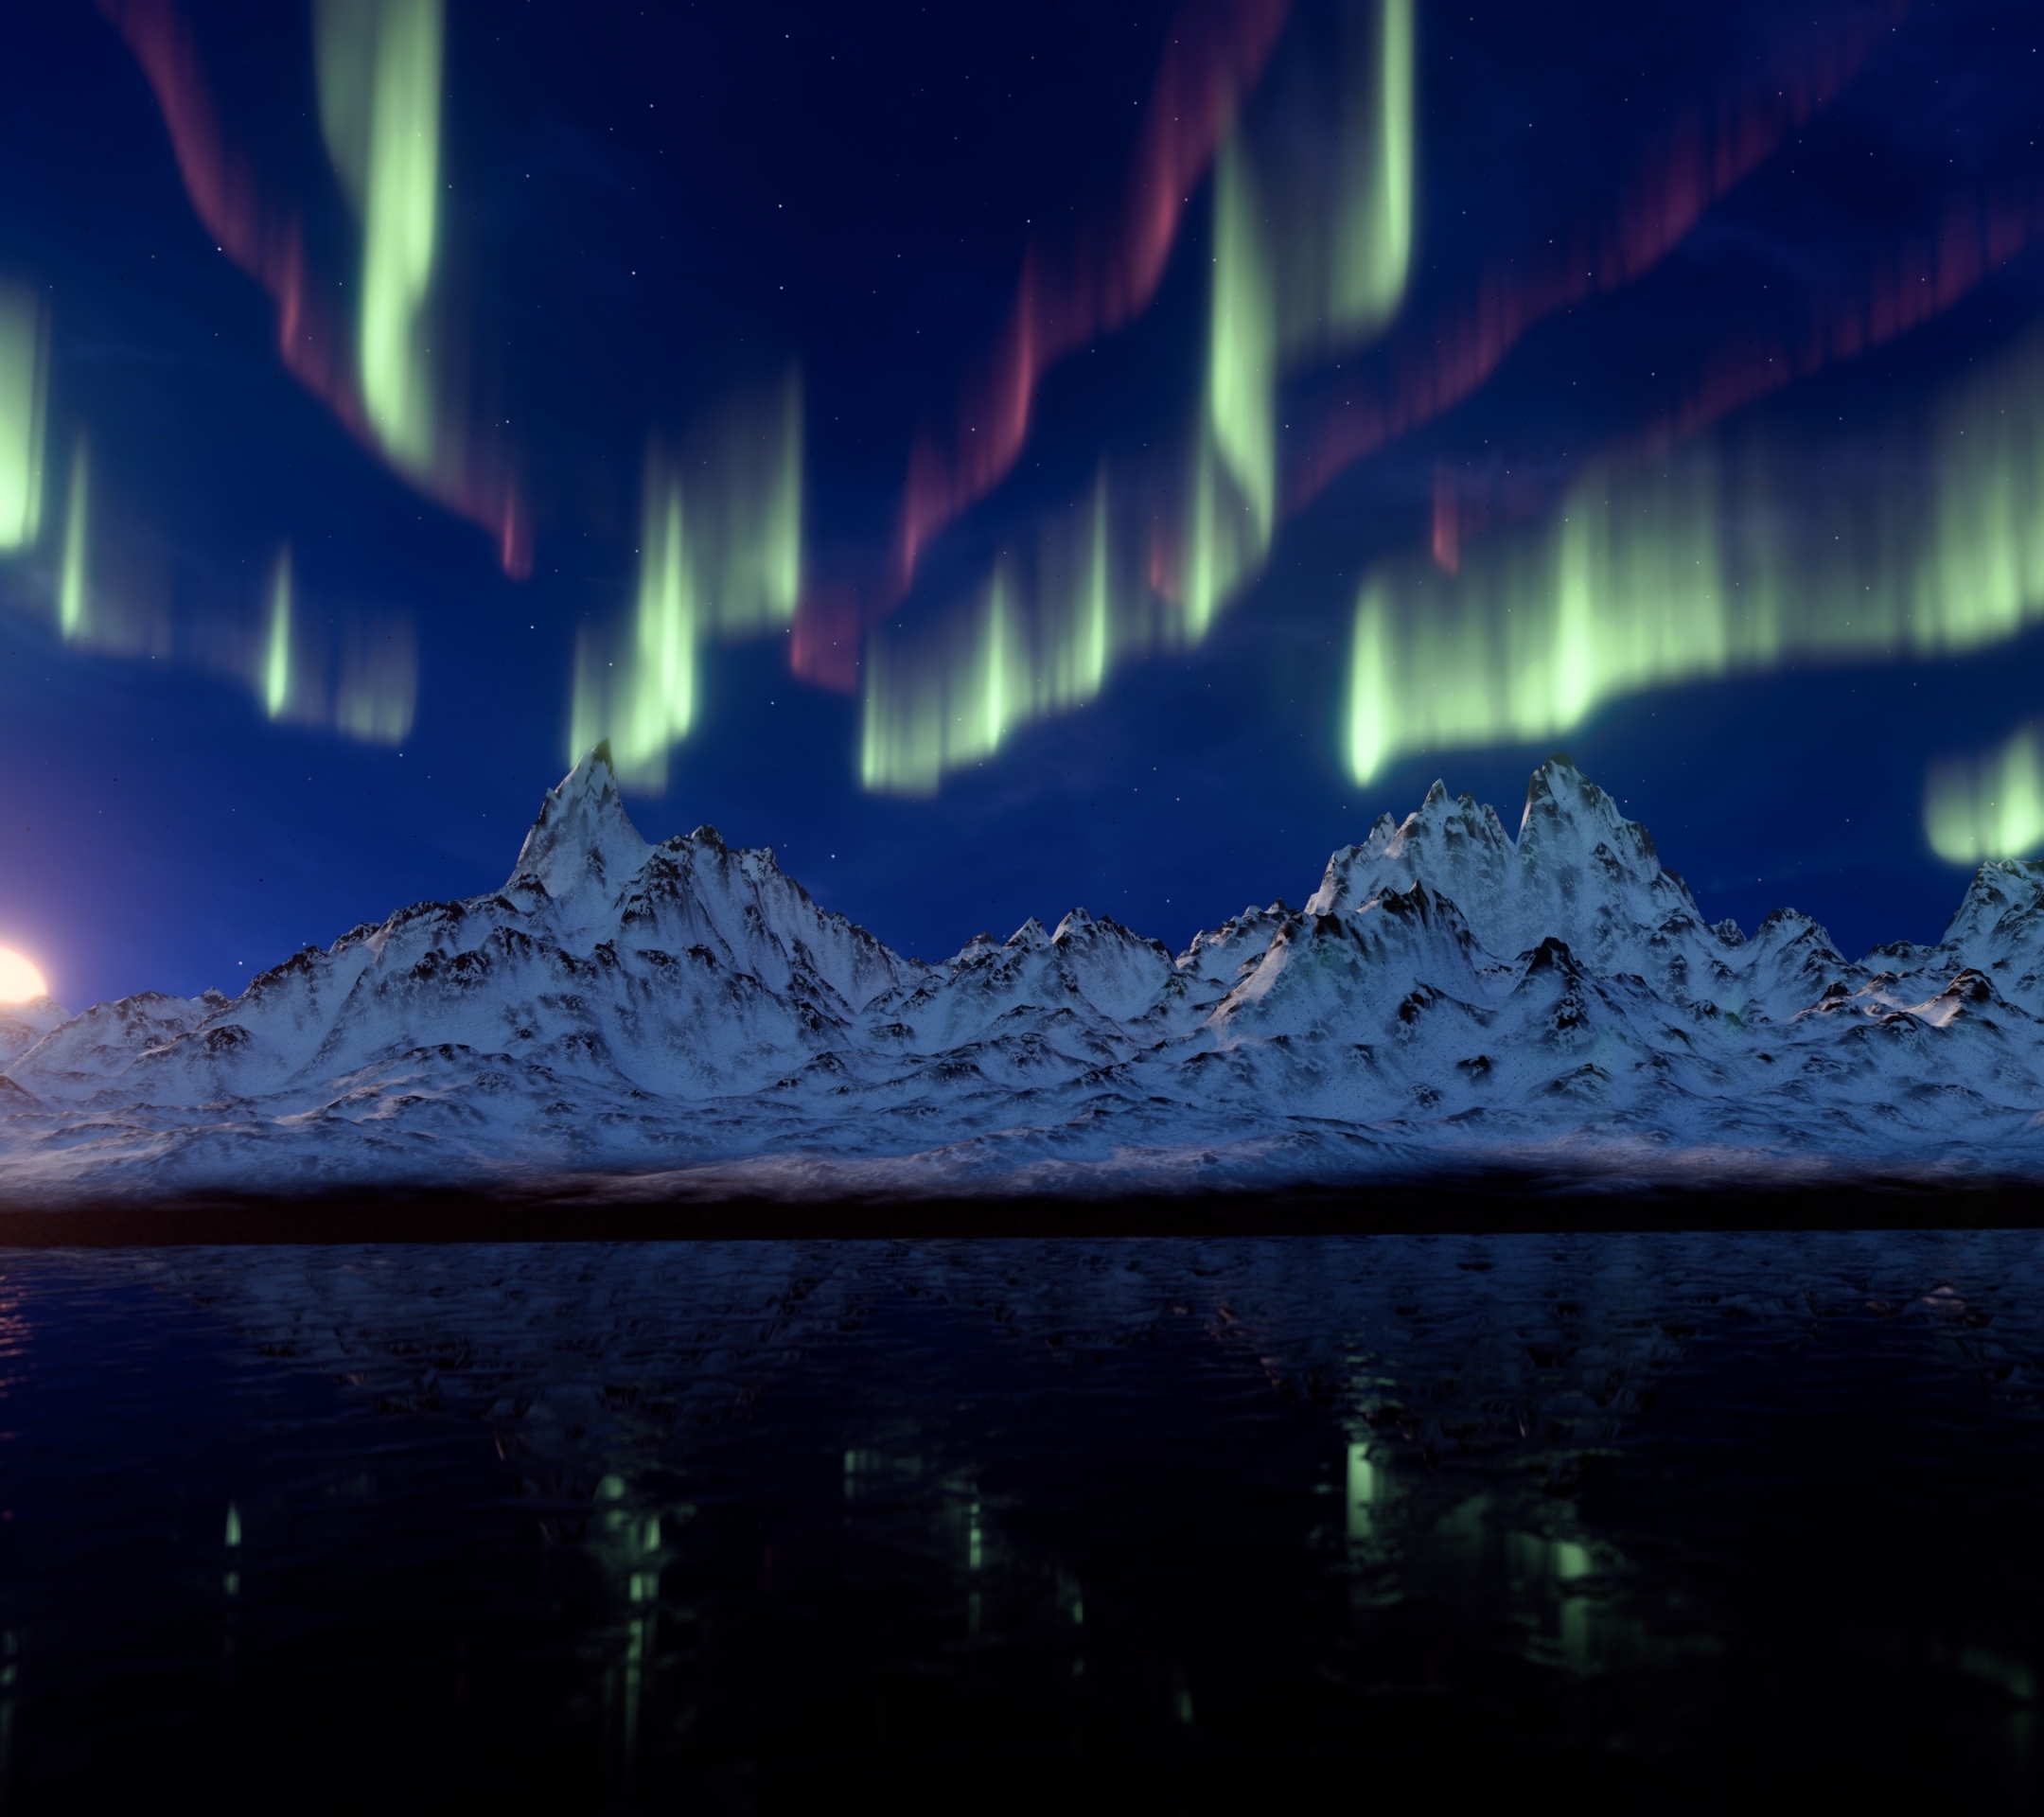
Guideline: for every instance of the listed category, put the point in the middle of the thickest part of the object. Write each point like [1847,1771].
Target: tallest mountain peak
[1557,793]
[583,842]
[1579,871]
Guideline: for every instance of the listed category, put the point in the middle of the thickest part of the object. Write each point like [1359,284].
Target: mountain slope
[685,1017]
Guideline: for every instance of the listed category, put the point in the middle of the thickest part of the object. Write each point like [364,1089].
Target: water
[1643,1521]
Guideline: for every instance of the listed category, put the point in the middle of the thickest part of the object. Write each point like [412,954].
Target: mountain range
[684,1020]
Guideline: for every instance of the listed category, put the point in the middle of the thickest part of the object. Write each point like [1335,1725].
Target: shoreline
[1516,1205]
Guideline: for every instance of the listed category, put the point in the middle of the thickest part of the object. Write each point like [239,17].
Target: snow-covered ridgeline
[685,1014]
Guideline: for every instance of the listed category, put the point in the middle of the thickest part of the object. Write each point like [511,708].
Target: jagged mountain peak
[2003,891]
[1444,832]
[1217,955]
[1316,966]
[583,846]
[1578,870]
[625,1006]
[1559,794]
[1080,927]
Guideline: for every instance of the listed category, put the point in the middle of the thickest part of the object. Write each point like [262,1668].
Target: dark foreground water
[1647,1521]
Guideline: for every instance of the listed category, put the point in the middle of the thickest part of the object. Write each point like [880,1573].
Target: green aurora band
[71,588]
[1725,559]
[275,677]
[1311,256]
[1312,245]
[375,692]
[24,389]
[720,557]
[1038,639]
[1991,806]
[358,677]
[380,69]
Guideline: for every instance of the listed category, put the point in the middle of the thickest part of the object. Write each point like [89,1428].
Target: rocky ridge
[684,1017]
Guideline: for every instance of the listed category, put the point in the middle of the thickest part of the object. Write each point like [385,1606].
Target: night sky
[1772,246]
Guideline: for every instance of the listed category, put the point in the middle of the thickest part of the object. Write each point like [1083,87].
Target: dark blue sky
[650,210]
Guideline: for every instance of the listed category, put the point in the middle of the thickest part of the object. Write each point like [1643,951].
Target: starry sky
[977,246]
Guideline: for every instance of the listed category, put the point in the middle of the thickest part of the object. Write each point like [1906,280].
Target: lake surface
[1639,1520]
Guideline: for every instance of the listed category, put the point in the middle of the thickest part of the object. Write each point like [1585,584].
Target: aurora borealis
[1008,459]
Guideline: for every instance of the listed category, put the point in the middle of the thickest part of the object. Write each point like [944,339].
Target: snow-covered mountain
[684,1018]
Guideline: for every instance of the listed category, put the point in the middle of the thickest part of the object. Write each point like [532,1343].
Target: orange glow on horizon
[20,982]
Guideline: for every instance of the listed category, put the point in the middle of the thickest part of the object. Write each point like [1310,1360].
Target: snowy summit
[684,1018]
